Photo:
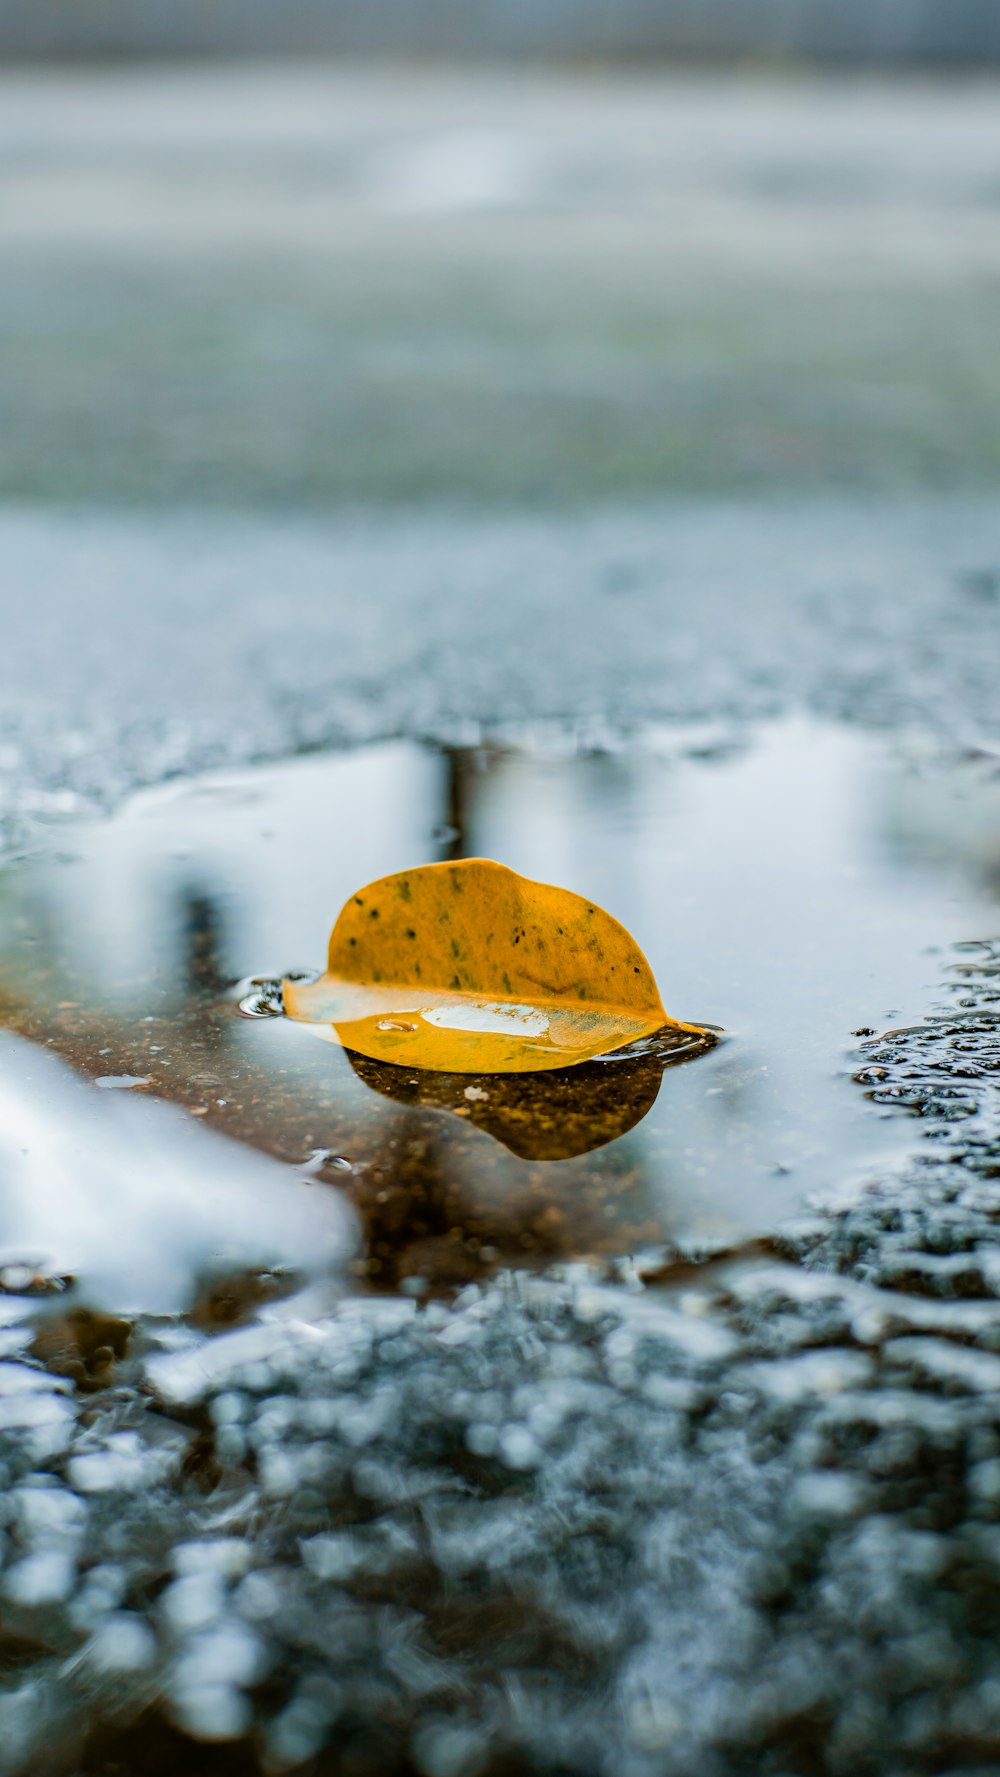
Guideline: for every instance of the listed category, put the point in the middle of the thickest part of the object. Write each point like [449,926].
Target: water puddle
[796,893]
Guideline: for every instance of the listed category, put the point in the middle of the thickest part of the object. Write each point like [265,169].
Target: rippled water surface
[798,892]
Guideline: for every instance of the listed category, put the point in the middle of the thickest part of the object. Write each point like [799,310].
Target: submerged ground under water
[705,1480]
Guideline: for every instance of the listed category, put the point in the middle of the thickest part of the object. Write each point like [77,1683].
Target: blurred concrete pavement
[301,286]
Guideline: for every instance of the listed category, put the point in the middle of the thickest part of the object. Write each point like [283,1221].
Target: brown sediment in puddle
[82,1345]
[453,1176]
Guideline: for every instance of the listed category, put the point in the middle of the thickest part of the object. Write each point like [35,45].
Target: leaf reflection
[546,1116]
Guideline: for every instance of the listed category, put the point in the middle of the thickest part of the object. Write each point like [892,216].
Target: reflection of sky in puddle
[789,893]
[143,1206]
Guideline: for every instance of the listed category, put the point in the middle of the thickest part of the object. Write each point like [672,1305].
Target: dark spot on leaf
[352,941]
[456,982]
[373,913]
[410,933]
[403,890]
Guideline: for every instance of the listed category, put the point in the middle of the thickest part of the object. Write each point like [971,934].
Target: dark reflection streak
[463,767]
[201,924]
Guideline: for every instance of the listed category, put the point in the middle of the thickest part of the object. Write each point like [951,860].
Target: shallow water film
[635,1418]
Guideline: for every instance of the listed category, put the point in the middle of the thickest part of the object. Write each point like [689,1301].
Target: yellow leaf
[470,968]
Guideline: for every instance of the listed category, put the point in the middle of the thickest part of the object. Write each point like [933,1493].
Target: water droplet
[395,1024]
[669,1043]
[30,1280]
[326,1160]
[264,998]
